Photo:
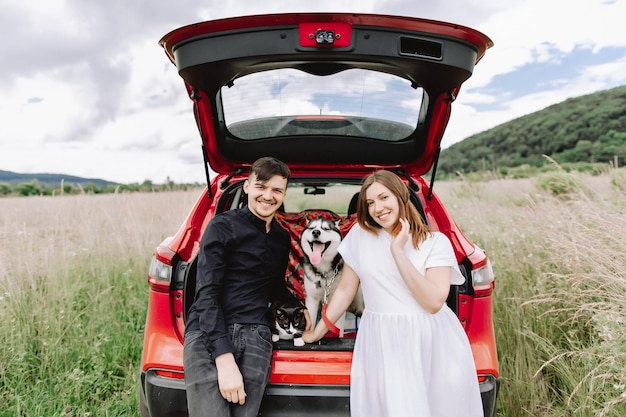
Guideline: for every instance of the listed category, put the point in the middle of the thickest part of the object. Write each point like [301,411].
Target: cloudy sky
[86,90]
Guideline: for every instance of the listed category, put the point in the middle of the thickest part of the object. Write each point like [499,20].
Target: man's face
[264,198]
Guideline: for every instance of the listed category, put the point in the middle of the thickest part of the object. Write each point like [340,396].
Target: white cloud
[532,32]
[87,91]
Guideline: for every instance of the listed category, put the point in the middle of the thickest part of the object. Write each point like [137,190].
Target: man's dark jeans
[253,353]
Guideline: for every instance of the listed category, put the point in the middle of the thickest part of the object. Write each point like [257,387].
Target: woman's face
[382,205]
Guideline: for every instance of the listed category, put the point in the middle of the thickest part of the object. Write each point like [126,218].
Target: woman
[411,356]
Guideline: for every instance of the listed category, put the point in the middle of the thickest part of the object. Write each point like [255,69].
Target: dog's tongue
[316,256]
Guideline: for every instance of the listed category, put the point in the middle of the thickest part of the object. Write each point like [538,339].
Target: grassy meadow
[558,247]
[73,293]
[73,298]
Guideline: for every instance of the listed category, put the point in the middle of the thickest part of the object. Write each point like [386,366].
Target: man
[241,267]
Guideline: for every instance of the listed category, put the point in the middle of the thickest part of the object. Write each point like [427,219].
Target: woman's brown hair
[418,230]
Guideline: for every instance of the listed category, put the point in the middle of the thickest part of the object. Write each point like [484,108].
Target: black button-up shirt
[241,268]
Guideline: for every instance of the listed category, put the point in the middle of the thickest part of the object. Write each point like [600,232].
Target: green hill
[590,128]
[13,178]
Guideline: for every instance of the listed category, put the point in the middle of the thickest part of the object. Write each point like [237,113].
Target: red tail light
[170,374]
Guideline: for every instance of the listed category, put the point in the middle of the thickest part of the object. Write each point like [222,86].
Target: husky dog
[323,266]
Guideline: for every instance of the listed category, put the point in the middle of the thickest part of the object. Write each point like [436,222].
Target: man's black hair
[266,167]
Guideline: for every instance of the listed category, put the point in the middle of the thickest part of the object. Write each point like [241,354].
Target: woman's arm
[431,289]
[338,304]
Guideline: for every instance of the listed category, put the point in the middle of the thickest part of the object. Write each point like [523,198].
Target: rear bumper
[489,393]
[306,400]
[165,397]
[162,397]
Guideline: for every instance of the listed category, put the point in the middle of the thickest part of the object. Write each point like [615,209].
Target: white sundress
[407,362]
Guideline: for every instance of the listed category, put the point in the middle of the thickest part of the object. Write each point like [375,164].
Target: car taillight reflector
[159,274]
[482,280]
[483,275]
[170,374]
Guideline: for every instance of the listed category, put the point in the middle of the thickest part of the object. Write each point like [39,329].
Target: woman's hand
[307,318]
[309,336]
[402,237]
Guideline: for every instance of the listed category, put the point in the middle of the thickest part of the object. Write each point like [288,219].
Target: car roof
[324,91]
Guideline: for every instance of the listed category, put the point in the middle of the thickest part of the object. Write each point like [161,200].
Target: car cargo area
[306,202]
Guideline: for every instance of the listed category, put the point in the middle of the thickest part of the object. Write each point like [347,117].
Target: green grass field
[73,298]
[558,247]
[73,293]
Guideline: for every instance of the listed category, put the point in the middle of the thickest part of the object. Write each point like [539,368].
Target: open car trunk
[375,89]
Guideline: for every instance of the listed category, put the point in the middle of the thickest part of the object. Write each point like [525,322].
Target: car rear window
[327,196]
[289,102]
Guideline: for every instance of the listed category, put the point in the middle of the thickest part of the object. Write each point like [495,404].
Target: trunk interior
[341,199]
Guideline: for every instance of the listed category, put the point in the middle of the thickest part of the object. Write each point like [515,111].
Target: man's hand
[229,379]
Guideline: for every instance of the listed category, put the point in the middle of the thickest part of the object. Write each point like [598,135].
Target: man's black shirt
[241,268]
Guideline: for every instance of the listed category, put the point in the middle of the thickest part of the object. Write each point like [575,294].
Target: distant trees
[28,188]
[33,188]
[5,189]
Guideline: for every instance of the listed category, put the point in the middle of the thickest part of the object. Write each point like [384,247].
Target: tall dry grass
[73,295]
[558,247]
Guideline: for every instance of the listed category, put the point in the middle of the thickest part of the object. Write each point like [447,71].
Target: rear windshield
[334,197]
[289,102]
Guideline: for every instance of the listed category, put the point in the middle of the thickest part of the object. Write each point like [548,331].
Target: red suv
[335,96]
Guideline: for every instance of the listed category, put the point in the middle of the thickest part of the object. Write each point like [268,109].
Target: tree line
[35,188]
